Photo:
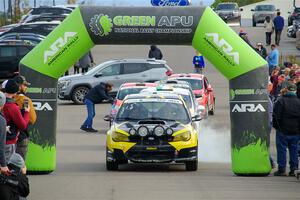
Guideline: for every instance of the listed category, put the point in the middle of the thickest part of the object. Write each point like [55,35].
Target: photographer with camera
[24,102]
[14,186]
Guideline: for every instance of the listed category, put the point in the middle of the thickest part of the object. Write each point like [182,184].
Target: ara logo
[170,2]
[58,45]
[225,46]
[242,108]
[39,106]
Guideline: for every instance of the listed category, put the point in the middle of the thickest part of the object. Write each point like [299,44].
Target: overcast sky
[106,2]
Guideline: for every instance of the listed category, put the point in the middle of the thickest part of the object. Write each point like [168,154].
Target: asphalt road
[81,172]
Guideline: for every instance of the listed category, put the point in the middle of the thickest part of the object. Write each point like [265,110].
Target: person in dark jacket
[261,50]
[96,95]
[286,121]
[86,61]
[279,25]
[16,185]
[155,52]
[14,118]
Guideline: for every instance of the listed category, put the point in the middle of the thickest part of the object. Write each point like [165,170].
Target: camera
[7,180]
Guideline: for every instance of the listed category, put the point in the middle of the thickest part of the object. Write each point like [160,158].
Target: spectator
[286,73]
[270,106]
[16,185]
[278,24]
[14,118]
[273,58]
[155,52]
[269,29]
[280,85]
[297,80]
[286,121]
[23,102]
[244,36]
[199,63]
[76,67]
[261,50]
[86,61]
[96,95]
[3,167]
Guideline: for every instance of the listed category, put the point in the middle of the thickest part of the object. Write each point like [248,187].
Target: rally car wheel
[206,111]
[191,165]
[79,93]
[212,111]
[112,165]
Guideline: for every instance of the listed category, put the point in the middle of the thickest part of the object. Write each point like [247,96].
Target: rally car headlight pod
[158,131]
[185,136]
[143,131]
[132,131]
[119,137]
[169,131]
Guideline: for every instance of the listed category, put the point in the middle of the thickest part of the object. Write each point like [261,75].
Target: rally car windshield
[123,93]
[137,110]
[195,83]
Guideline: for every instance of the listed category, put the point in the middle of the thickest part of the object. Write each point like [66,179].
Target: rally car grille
[151,140]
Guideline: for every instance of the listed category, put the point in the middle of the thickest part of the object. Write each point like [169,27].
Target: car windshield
[226,7]
[124,92]
[265,8]
[188,101]
[195,83]
[153,109]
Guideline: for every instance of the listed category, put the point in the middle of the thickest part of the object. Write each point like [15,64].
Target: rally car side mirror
[196,118]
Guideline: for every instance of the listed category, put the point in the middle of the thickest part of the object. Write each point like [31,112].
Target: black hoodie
[155,52]
[98,93]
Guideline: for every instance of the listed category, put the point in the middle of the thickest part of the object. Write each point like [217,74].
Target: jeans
[282,143]
[22,147]
[198,70]
[88,123]
[268,38]
[277,37]
[271,68]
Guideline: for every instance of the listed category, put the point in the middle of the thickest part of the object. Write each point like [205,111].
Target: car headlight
[119,137]
[185,136]
[159,131]
[169,131]
[143,131]
[64,84]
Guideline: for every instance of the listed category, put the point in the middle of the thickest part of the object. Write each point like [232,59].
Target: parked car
[41,28]
[43,10]
[5,28]
[47,18]
[293,15]
[32,37]
[11,52]
[117,72]
[260,12]
[202,89]
[152,128]
[229,12]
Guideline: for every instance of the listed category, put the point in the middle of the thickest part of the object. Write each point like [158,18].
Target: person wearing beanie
[14,118]
[3,165]
[286,121]
[23,101]
[17,184]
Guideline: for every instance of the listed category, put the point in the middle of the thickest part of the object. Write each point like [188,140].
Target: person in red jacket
[14,118]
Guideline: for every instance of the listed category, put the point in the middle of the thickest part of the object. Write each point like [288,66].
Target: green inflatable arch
[196,26]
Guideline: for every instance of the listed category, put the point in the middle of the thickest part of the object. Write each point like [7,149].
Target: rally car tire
[191,165]
[112,165]
[212,111]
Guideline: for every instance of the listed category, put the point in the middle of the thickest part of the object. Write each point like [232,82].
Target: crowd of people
[17,112]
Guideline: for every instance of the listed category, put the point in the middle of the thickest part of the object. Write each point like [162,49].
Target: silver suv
[117,72]
[260,12]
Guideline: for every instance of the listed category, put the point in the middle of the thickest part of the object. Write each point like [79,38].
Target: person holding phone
[24,103]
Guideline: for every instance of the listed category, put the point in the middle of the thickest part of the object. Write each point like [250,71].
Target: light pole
[53,3]
[4,13]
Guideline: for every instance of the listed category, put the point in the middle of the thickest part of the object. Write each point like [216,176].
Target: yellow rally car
[153,128]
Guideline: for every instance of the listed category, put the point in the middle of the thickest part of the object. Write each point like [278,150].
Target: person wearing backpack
[14,118]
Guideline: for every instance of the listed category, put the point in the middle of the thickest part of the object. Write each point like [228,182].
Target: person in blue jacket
[199,63]
[279,25]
